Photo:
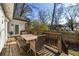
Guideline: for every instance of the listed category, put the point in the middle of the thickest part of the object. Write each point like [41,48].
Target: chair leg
[28,50]
[35,53]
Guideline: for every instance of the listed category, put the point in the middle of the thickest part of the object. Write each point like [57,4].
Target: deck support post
[59,44]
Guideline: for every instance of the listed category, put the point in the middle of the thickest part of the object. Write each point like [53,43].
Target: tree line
[59,11]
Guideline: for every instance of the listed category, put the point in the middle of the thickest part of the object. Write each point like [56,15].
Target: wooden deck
[11,48]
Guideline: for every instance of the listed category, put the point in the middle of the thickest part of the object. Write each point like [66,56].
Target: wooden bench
[23,46]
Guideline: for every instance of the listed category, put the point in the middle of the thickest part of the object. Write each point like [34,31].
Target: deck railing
[61,38]
[70,37]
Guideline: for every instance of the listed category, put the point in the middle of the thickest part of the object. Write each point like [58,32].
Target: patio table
[32,40]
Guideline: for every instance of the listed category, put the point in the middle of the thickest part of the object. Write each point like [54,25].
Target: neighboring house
[3,27]
[58,27]
[76,26]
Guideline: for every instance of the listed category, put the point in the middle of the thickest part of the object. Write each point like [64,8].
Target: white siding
[12,24]
[3,33]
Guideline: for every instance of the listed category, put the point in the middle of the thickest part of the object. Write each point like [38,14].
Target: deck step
[50,48]
[45,52]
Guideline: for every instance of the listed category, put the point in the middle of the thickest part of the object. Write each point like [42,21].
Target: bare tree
[56,15]
[70,15]
[53,15]
[22,9]
[43,16]
[25,8]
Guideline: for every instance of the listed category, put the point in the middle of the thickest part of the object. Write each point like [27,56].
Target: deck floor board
[11,48]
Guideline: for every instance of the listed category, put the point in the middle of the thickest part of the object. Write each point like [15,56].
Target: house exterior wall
[3,29]
[12,26]
[8,9]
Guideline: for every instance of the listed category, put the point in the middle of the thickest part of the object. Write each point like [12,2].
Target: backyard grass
[74,52]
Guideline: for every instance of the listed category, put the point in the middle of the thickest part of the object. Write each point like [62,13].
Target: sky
[39,6]
[43,6]
[36,7]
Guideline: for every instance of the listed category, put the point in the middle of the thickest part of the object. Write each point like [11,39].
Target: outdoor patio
[41,34]
[16,46]
[11,48]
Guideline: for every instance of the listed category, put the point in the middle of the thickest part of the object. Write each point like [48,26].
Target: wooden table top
[28,37]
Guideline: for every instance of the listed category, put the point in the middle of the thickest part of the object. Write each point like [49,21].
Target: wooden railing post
[59,44]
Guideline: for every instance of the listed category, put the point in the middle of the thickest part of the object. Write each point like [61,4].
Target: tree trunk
[22,9]
[53,15]
[72,28]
